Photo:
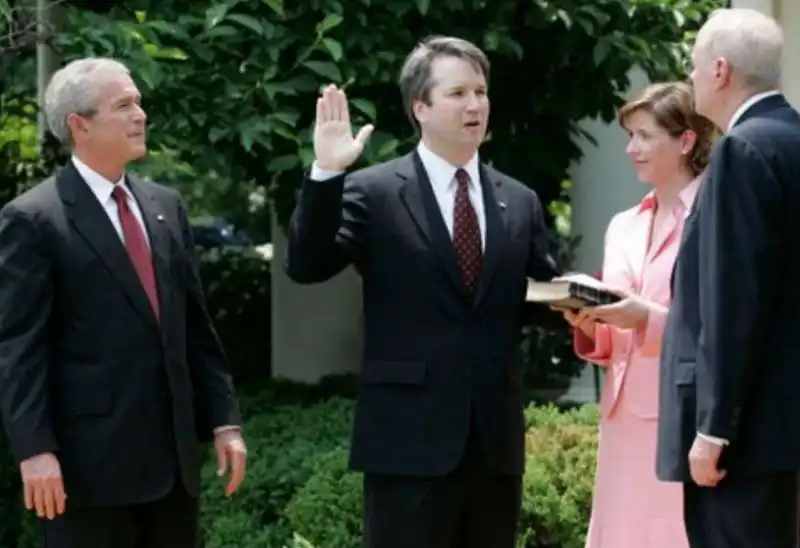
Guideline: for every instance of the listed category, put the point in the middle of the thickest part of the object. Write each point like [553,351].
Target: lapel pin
[160,218]
[502,205]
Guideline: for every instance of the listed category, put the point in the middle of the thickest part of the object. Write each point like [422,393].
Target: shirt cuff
[225,428]
[318,174]
[713,439]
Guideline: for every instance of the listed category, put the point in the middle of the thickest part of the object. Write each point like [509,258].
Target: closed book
[572,292]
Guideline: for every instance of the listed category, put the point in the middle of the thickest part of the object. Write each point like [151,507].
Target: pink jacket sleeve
[597,349]
[648,338]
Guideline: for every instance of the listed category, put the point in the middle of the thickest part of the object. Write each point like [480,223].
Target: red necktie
[466,235]
[136,245]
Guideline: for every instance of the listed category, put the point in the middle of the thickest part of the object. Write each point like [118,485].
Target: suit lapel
[91,221]
[418,197]
[494,194]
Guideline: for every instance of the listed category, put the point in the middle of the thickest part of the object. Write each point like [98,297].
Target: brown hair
[415,76]
[672,106]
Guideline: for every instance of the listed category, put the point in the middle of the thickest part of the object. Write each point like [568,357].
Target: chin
[138,153]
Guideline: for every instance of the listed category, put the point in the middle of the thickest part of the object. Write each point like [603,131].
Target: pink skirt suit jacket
[631,507]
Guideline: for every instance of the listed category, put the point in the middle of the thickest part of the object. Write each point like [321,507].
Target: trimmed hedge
[299,490]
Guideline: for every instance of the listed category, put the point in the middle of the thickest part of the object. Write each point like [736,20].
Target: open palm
[334,145]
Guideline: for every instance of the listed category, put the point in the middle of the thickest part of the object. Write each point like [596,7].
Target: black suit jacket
[432,356]
[730,364]
[86,369]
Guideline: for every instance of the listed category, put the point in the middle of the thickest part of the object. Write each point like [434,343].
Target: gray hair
[415,77]
[751,41]
[73,89]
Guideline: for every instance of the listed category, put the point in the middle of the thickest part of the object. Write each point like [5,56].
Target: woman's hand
[578,320]
[631,312]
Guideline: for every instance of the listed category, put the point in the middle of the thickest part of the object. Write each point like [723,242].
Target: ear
[722,72]
[420,110]
[688,140]
[76,124]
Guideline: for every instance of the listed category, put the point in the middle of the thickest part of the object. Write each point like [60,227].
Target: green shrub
[283,445]
[557,486]
[327,510]
[559,477]
[237,289]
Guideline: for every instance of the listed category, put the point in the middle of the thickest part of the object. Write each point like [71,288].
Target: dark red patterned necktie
[136,245]
[466,235]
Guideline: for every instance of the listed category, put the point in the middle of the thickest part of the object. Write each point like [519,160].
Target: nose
[139,115]
[632,149]
[475,101]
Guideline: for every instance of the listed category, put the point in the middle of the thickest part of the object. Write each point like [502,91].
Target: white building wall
[316,329]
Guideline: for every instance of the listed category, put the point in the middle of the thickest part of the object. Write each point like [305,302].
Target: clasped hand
[630,312]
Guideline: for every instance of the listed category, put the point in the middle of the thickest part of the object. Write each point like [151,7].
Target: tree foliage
[230,85]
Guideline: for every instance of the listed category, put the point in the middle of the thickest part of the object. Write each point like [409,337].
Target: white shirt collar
[99,185]
[749,103]
[442,173]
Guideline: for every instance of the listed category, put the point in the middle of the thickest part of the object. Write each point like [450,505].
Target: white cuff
[318,174]
[713,439]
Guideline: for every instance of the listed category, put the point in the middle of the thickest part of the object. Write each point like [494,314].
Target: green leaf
[217,133]
[334,48]
[289,118]
[332,20]
[276,6]
[325,69]
[423,6]
[215,14]
[601,51]
[388,147]
[247,21]
[221,31]
[283,163]
[366,107]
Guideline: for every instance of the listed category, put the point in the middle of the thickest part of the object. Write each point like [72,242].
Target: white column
[316,329]
[764,6]
[787,12]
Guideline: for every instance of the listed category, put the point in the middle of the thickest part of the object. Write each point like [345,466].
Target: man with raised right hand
[444,245]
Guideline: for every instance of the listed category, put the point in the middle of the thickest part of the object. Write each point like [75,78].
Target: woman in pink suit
[669,146]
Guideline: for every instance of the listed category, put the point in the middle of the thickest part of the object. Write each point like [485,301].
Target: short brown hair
[672,106]
[415,76]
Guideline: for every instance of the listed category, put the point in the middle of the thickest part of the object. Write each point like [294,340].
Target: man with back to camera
[110,369]
[729,410]
[443,244]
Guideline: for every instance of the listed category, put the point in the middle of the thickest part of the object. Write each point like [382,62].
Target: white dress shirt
[102,188]
[442,175]
[749,103]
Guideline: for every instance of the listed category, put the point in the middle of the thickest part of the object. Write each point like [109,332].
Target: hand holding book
[572,291]
[585,300]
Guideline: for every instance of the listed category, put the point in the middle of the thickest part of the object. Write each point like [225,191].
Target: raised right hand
[43,485]
[334,145]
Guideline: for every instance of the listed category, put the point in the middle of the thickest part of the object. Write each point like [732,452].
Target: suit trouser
[171,522]
[743,512]
[468,508]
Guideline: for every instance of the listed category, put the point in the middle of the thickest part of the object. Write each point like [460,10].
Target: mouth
[472,125]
